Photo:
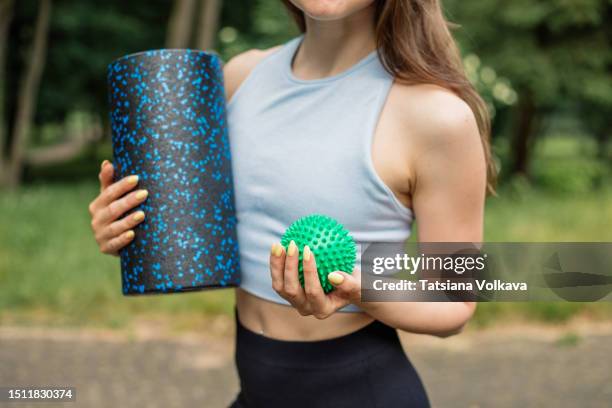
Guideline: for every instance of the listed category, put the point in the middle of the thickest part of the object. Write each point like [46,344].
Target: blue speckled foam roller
[169,127]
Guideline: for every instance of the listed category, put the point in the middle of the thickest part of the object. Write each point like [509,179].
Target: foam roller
[168,121]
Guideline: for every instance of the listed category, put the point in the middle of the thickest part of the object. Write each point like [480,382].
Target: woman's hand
[310,300]
[112,233]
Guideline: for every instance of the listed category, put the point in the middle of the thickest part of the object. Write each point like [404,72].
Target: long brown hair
[415,45]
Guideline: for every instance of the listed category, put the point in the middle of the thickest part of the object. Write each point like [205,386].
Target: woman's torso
[292,157]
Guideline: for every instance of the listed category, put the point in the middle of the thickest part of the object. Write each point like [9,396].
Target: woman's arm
[449,182]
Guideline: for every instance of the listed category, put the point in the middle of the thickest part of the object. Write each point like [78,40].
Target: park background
[544,68]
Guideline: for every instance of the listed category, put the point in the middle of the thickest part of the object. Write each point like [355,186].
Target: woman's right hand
[114,200]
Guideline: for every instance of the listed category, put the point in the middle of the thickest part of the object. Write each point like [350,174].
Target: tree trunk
[28,93]
[180,25]
[524,131]
[6,15]
[77,141]
[210,11]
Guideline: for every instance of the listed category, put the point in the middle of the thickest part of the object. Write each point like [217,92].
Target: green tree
[556,53]
[27,95]
[78,39]
[73,46]
[6,15]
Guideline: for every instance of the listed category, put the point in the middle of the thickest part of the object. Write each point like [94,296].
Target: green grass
[51,269]
[523,214]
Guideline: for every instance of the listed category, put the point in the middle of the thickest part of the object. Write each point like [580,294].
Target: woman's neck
[330,47]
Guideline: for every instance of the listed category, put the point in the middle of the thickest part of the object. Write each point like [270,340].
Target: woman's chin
[329,10]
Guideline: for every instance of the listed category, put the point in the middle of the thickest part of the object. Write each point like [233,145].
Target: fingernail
[132,179]
[142,194]
[307,253]
[138,216]
[103,164]
[292,248]
[129,234]
[335,278]
[277,249]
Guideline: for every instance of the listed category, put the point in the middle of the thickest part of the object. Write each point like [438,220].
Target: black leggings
[366,368]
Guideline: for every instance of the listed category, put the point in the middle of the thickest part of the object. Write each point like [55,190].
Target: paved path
[514,369]
[494,368]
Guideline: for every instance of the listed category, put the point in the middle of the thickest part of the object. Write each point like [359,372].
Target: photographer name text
[448,285]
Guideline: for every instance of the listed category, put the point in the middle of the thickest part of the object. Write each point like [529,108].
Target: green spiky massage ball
[333,247]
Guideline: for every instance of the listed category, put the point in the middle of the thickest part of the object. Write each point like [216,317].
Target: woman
[368,118]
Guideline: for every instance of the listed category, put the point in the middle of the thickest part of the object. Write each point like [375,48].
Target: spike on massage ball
[333,247]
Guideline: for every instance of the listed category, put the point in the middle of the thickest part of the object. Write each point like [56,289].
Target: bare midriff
[285,323]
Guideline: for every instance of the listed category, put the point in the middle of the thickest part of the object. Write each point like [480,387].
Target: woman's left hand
[310,299]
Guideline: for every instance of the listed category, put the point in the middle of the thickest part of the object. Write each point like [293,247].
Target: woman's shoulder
[433,115]
[240,66]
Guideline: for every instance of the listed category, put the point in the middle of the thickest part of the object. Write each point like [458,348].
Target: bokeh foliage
[534,62]
[556,55]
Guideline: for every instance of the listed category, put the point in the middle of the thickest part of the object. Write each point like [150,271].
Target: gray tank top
[304,146]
